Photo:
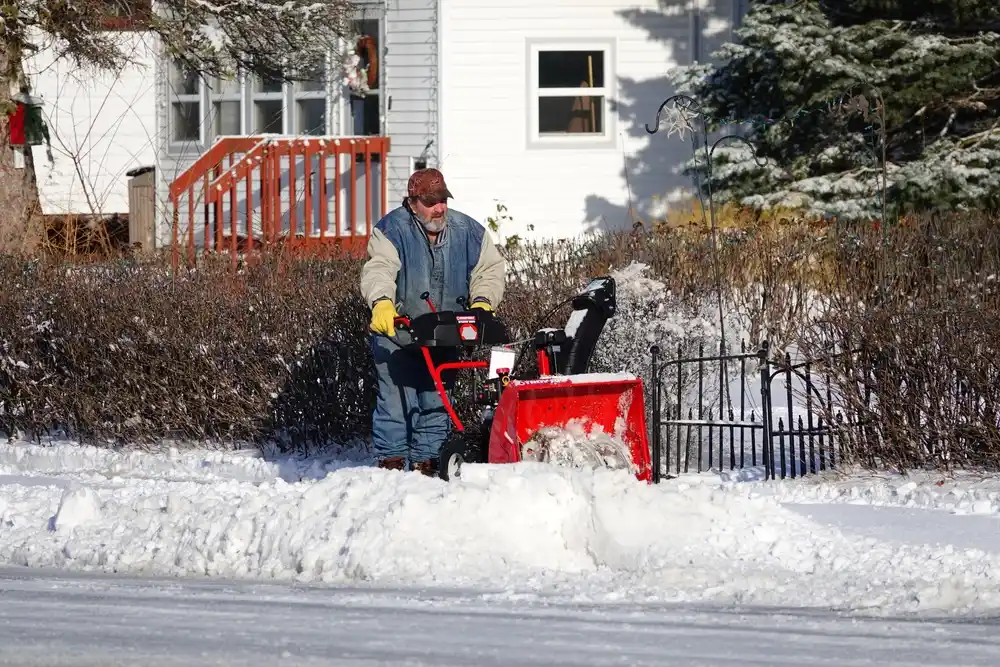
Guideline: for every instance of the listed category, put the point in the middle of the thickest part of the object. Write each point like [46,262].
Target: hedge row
[125,352]
[128,352]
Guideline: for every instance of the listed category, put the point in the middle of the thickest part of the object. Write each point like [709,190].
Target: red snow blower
[597,418]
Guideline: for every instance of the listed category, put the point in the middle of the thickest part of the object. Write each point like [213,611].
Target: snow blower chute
[562,414]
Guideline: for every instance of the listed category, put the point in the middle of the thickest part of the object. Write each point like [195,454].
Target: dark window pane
[312,117]
[365,112]
[186,121]
[268,116]
[269,84]
[227,118]
[184,80]
[316,84]
[226,87]
[570,69]
[138,10]
[576,115]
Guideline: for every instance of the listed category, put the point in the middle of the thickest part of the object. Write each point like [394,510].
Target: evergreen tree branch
[788,70]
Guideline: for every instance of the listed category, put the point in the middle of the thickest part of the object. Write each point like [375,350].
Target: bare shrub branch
[899,320]
[288,39]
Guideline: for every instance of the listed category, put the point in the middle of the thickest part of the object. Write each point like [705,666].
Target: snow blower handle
[404,335]
[403,324]
[426,296]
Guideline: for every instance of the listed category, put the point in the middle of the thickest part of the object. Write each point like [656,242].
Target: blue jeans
[409,419]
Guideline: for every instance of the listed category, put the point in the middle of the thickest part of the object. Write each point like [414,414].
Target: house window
[185,106]
[366,110]
[268,105]
[310,106]
[227,106]
[251,104]
[570,86]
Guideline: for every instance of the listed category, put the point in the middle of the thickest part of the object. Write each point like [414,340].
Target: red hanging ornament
[16,122]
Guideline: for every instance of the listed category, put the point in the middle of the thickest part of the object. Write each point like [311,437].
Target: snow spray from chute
[591,420]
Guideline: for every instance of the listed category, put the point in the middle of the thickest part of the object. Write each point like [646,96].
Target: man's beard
[432,225]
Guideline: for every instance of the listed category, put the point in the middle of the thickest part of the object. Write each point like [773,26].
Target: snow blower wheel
[451,459]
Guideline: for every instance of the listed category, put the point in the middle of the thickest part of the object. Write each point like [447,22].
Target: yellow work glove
[482,304]
[383,314]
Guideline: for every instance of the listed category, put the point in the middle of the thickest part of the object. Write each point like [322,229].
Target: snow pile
[579,445]
[169,464]
[529,528]
[962,493]
[77,507]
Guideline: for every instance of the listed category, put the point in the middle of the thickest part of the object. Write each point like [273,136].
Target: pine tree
[806,82]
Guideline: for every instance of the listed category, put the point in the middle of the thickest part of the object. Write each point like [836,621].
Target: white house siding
[101,125]
[413,85]
[564,192]
[172,160]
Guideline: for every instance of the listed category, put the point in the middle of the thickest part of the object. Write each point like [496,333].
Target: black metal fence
[720,412]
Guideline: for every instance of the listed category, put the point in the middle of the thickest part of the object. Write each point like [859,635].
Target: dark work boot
[428,467]
[392,463]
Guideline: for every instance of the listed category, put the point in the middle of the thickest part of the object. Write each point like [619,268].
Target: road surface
[61,618]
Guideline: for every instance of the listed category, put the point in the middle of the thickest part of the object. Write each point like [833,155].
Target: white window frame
[176,98]
[589,141]
[238,96]
[247,96]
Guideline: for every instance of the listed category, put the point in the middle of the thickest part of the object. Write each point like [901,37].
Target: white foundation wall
[567,192]
[101,124]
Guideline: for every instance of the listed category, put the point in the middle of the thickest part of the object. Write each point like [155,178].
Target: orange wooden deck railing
[303,193]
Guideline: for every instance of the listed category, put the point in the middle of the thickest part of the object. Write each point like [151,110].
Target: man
[421,246]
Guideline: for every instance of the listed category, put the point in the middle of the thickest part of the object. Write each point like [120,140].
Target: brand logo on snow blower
[467,331]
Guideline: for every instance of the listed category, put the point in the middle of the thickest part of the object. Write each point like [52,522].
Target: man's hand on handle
[485,305]
[383,316]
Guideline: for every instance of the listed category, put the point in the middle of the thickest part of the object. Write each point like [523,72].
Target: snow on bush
[277,352]
[650,313]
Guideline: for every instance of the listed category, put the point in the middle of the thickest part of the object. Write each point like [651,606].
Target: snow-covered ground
[522,531]
[204,557]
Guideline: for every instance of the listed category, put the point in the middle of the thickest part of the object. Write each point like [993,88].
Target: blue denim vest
[444,269]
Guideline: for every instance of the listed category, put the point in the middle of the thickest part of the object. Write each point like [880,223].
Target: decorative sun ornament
[677,119]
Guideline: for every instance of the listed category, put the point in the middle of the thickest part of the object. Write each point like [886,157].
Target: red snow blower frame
[515,408]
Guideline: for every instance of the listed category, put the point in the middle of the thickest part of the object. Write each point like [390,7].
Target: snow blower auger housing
[599,419]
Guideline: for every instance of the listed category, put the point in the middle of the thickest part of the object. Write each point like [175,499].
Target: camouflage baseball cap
[428,184]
